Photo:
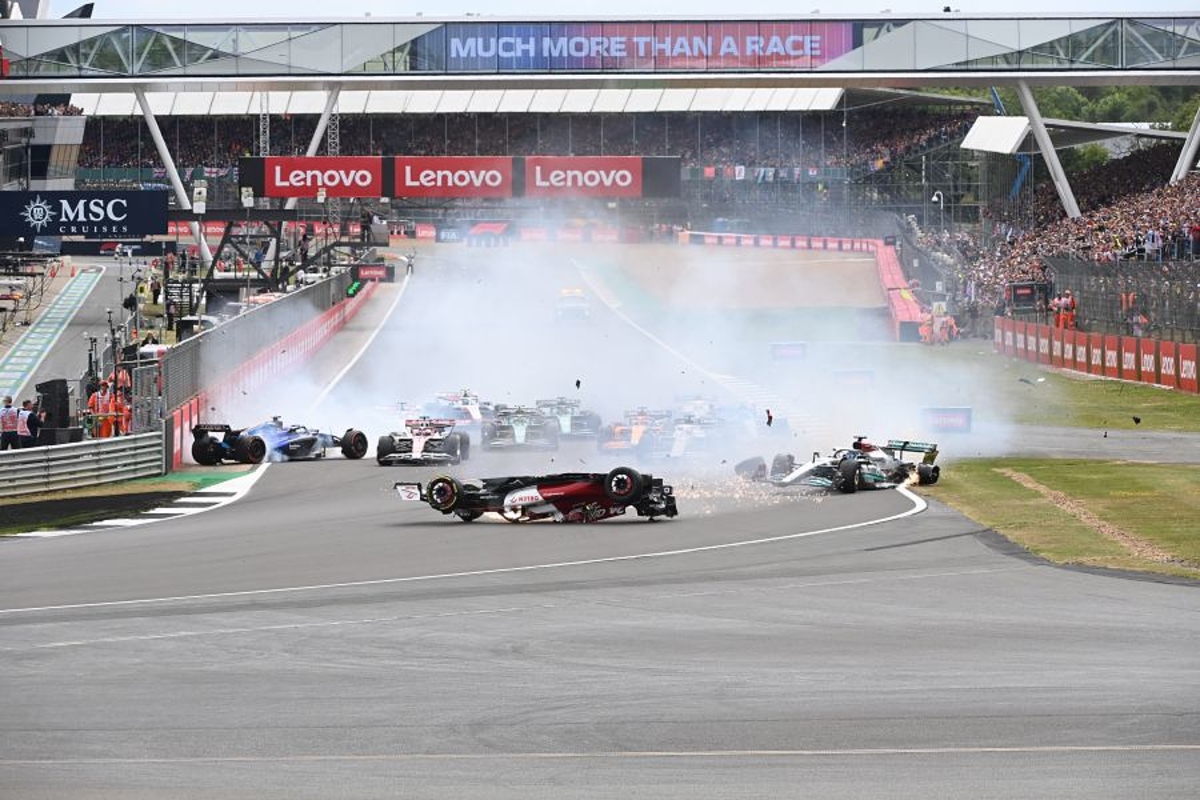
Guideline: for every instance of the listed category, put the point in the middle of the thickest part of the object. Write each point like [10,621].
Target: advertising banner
[1056,346]
[1068,349]
[953,419]
[298,176]
[631,46]
[1148,352]
[92,215]
[1129,358]
[484,176]
[1044,333]
[1096,353]
[1081,351]
[1168,365]
[1187,368]
[1112,356]
[601,176]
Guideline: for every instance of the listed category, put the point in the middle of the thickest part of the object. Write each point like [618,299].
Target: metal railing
[80,464]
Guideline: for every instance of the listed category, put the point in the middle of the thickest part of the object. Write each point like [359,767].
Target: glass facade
[55,49]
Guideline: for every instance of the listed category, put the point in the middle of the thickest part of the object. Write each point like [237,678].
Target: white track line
[619,755]
[919,505]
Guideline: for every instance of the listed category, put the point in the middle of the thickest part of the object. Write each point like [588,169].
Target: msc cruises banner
[640,46]
[106,215]
[495,177]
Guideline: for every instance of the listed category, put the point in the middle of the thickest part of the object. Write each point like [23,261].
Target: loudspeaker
[54,398]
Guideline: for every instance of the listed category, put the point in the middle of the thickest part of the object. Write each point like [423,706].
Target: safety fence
[1129,358]
[80,464]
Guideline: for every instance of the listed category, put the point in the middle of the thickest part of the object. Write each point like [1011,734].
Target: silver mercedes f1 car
[861,466]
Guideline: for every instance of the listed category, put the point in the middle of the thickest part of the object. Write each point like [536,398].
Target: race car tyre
[486,434]
[384,448]
[849,476]
[354,444]
[206,451]
[444,494]
[465,449]
[250,449]
[453,448]
[591,424]
[552,434]
[928,474]
[783,464]
[624,485]
[752,469]
[468,516]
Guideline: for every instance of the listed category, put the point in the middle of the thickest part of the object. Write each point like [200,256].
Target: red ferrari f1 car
[564,497]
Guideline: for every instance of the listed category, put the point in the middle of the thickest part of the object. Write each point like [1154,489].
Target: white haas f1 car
[565,497]
[424,440]
[862,466]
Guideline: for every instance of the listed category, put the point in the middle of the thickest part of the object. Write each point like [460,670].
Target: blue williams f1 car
[272,441]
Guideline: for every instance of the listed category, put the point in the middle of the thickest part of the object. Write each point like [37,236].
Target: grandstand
[760,139]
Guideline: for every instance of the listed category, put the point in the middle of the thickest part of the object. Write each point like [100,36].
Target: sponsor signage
[1149,360]
[1112,358]
[1187,368]
[93,215]
[954,419]
[1129,358]
[602,176]
[788,351]
[1167,363]
[300,176]
[370,272]
[461,176]
[453,177]
[640,46]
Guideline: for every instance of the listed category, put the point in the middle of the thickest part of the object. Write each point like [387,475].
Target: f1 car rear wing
[211,427]
[554,402]
[901,446]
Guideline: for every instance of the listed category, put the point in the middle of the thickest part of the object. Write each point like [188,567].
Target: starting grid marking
[19,363]
[216,496]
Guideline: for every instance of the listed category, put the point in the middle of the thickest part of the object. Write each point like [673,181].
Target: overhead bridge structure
[583,65]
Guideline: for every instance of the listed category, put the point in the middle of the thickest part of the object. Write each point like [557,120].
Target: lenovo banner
[95,215]
[450,176]
[461,176]
[297,176]
[602,176]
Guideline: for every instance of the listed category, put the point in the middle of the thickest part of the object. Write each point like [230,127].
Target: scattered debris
[770,417]
[1137,420]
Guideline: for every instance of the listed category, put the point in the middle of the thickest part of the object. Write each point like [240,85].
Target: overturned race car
[563,497]
[424,440]
[274,441]
[862,466]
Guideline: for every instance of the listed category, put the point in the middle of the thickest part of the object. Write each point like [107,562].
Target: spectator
[9,438]
[29,423]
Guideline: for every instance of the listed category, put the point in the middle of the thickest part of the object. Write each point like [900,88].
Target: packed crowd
[868,140]
[11,109]
[1129,213]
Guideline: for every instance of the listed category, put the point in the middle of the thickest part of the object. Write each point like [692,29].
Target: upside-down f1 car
[862,466]
[270,440]
[564,497]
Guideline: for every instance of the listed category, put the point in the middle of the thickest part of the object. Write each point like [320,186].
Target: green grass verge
[68,508]
[1157,503]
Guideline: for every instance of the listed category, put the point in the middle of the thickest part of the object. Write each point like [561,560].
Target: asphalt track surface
[319,639]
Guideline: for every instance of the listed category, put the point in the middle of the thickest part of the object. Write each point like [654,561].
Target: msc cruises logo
[37,213]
